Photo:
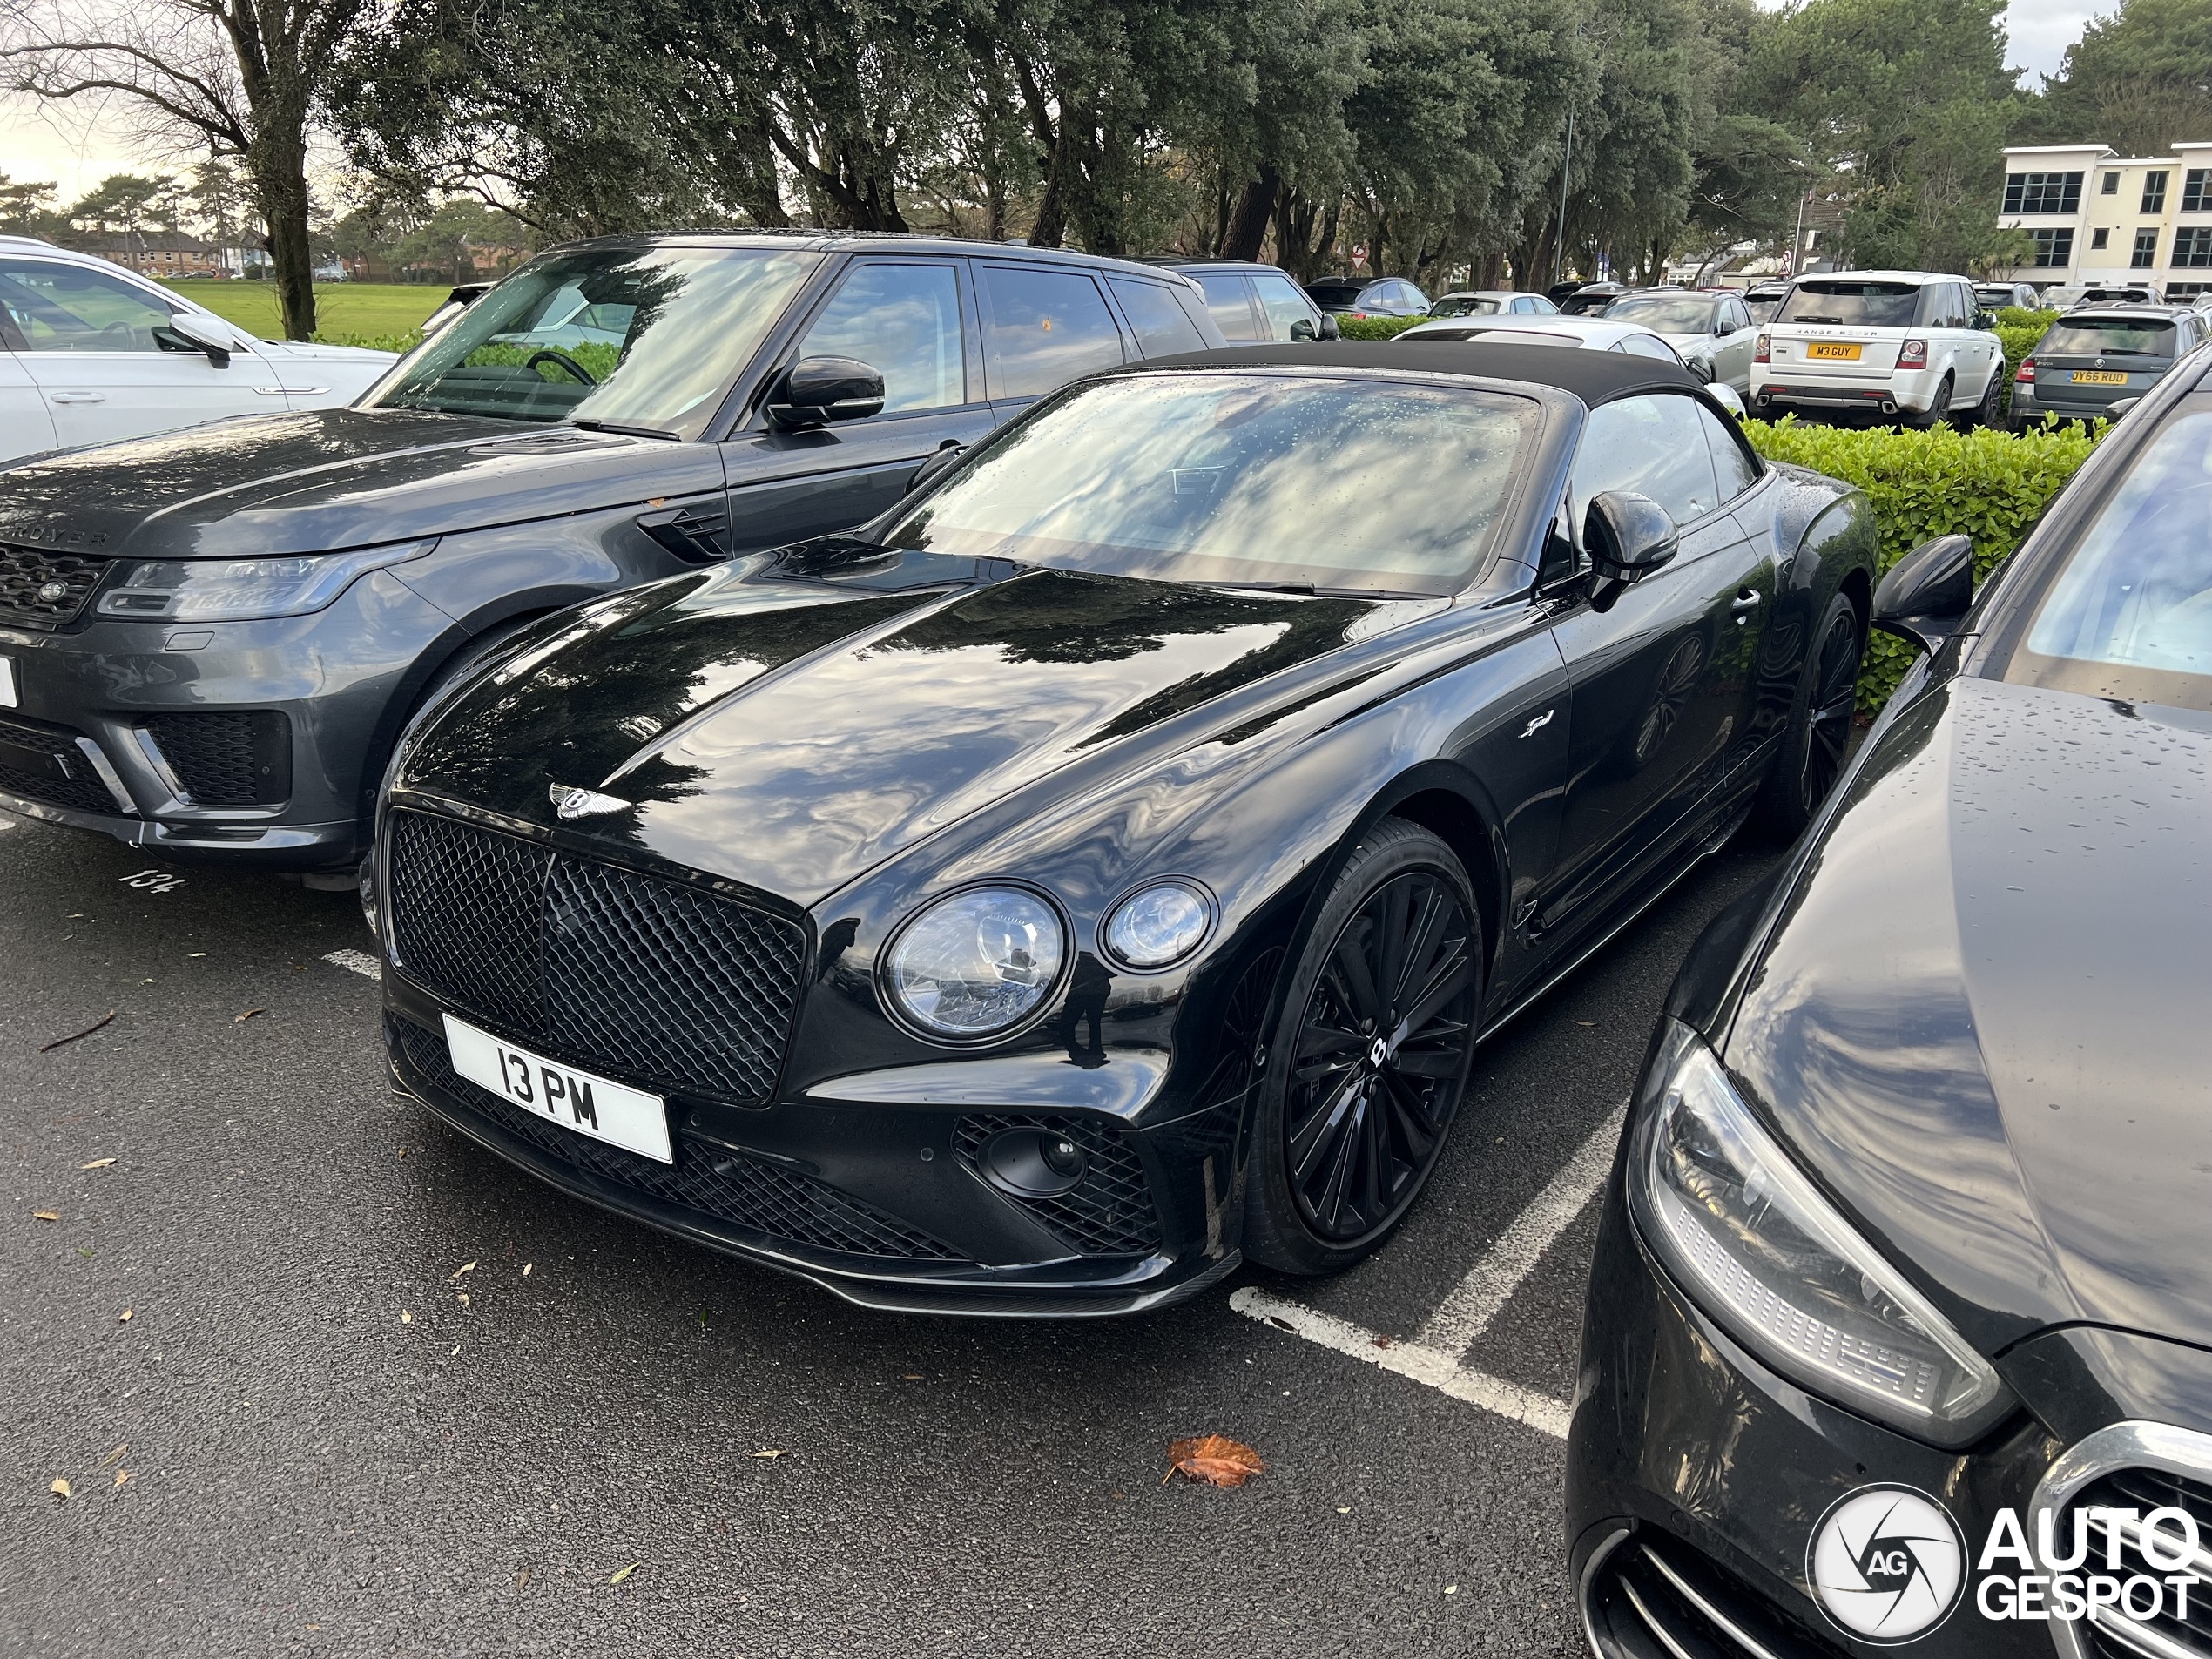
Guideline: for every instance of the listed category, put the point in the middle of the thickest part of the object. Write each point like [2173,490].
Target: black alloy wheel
[1938,407]
[1371,1056]
[1817,740]
[1983,413]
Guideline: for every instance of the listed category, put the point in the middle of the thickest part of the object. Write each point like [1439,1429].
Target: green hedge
[400,343]
[1986,485]
[1376,327]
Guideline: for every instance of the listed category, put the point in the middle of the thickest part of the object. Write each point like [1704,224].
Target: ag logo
[1887,1563]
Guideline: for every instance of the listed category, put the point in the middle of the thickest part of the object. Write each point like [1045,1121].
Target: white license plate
[575,1099]
[10,697]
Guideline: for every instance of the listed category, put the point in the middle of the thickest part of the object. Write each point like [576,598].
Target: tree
[121,202]
[2139,80]
[26,209]
[230,77]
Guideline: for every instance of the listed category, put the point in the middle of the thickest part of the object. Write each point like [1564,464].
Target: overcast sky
[77,152]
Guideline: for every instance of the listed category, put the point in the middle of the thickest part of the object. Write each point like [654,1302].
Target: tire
[1938,409]
[1364,1076]
[1984,414]
[1817,737]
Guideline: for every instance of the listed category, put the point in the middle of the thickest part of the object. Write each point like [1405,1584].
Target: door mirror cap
[1331,329]
[1927,593]
[202,334]
[1303,329]
[1726,395]
[2119,406]
[1985,320]
[1627,537]
[818,391]
[948,456]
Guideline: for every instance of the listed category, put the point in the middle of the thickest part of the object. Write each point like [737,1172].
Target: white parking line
[1489,1284]
[1423,1365]
[1436,1356]
[357,961]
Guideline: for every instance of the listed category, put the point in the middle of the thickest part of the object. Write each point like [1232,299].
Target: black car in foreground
[210,639]
[2096,356]
[1105,864]
[1900,1322]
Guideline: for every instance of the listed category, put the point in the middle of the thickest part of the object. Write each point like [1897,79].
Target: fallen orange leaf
[1214,1459]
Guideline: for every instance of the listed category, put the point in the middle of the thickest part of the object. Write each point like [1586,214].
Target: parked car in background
[1887,344]
[1763,300]
[1586,299]
[1103,866]
[2065,297]
[2095,356]
[91,353]
[1251,302]
[1368,297]
[1490,302]
[209,641]
[1708,331]
[1593,334]
[1907,1240]
[1996,296]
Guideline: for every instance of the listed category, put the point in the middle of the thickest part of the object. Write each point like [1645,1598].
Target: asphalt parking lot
[323,1379]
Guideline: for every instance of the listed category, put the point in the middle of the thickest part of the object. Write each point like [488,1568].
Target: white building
[2097,216]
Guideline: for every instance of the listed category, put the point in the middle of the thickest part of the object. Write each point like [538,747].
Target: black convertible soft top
[1596,377]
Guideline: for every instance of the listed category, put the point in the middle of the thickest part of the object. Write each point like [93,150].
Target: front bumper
[882,1204]
[1696,1477]
[216,742]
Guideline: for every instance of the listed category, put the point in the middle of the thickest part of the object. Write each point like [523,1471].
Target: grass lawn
[350,312]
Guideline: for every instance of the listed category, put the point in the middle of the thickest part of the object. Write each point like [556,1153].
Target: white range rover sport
[1890,343]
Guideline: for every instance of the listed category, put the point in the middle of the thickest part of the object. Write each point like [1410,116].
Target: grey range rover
[210,639]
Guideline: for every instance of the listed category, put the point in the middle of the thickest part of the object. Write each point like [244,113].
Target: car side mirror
[1627,537]
[1331,329]
[1986,321]
[818,391]
[1303,329]
[1725,395]
[201,336]
[2119,406]
[1927,593]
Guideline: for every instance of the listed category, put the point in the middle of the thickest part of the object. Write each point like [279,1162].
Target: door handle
[80,397]
[1745,598]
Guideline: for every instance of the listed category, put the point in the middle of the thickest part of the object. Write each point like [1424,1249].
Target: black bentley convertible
[1106,864]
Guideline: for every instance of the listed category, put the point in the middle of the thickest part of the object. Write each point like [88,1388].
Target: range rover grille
[39,588]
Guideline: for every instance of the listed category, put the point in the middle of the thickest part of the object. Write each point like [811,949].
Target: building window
[2053,247]
[2111,186]
[2042,193]
[2154,192]
[2196,191]
[2182,292]
[2193,246]
[2098,239]
[2146,254]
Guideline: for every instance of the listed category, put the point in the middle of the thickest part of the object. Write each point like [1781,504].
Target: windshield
[1763,308]
[2110,337]
[639,338]
[1242,479]
[1865,305]
[1465,304]
[1664,314]
[2130,616]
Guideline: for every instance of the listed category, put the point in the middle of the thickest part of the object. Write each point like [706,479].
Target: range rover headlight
[246,589]
[1158,925]
[1748,1237]
[975,963]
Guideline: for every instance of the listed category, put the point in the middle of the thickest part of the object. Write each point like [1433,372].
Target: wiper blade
[619,430]
[1265,587]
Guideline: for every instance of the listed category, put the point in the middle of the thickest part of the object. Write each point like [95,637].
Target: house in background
[2097,216]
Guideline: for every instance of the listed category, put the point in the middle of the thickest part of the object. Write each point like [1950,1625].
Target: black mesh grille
[42,763]
[1109,1211]
[44,590]
[2143,1490]
[635,976]
[746,1192]
[235,757]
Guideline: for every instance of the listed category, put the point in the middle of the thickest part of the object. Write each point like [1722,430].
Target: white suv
[1888,342]
[91,353]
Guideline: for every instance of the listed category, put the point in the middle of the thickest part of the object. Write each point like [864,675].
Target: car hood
[1980,1017]
[790,734]
[320,479]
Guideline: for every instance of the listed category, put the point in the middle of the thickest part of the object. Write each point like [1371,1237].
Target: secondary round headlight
[1768,1256]
[975,963]
[1157,926]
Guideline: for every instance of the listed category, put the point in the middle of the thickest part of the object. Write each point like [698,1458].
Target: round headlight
[1157,926]
[975,963]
